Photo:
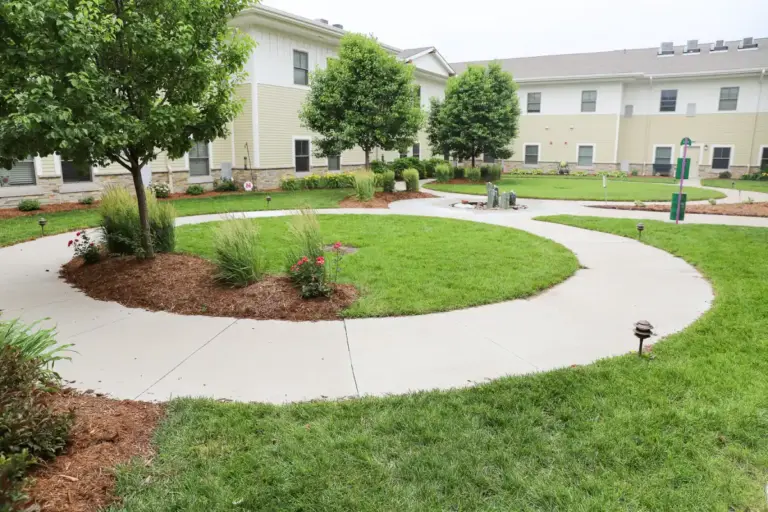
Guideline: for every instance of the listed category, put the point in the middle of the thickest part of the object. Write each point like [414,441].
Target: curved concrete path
[132,353]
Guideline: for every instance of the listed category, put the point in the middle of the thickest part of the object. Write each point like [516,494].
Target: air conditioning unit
[747,43]
[338,26]
[322,20]
[667,48]
[692,46]
[719,46]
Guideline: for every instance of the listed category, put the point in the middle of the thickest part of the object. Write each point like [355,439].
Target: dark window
[586,156]
[22,173]
[417,151]
[488,158]
[764,160]
[588,101]
[334,163]
[721,158]
[663,156]
[74,173]
[534,102]
[199,162]
[300,68]
[403,154]
[531,155]
[668,100]
[729,98]
[418,94]
[446,155]
[301,149]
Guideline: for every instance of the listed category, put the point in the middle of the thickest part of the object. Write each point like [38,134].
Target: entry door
[693,154]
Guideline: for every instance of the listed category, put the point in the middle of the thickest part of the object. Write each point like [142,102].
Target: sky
[487,29]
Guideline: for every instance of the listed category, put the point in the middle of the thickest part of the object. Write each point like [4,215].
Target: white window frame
[760,154]
[712,155]
[293,153]
[327,160]
[538,154]
[58,170]
[528,103]
[413,154]
[293,68]
[581,110]
[594,154]
[661,100]
[37,165]
[210,161]
[720,98]
[656,146]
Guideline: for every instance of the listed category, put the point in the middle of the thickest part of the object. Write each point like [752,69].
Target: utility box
[675,201]
[679,170]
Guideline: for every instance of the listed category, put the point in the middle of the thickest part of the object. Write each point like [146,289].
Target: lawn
[19,229]
[754,186]
[575,188]
[401,257]
[685,430]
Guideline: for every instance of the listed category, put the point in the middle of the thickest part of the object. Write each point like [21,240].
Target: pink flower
[337,245]
[91,244]
[294,268]
[70,243]
[320,260]
[79,233]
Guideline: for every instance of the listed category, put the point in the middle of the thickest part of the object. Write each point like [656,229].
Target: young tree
[365,98]
[479,114]
[103,81]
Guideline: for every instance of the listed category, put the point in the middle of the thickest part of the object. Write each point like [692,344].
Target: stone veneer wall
[509,165]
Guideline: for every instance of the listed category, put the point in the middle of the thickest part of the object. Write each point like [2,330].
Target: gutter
[754,126]
[639,75]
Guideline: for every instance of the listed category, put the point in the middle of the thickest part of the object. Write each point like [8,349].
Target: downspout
[754,126]
[648,126]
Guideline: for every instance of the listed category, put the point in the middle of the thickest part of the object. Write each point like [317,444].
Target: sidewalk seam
[349,352]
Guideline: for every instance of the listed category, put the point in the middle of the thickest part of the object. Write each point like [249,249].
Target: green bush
[364,186]
[34,344]
[725,175]
[411,177]
[87,200]
[378,166]
[388,181]
[635,173]
[195,190]
[291,183]
[401,164]
[305,262]
[29,205]
[225,186]
[458,173]
[430,166]
[491,172]
[161,190]
[443,173]
[120,223]
[237,252]
[473,174]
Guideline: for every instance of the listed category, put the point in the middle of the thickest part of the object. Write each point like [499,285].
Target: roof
[644,61]
[410,52]
[414,54]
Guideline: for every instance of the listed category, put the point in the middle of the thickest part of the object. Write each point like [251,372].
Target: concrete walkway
[132,353]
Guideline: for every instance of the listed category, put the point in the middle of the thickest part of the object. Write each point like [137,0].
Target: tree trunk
[367,158]
[473,160]
[141,198]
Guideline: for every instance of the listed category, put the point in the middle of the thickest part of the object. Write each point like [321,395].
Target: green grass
[461,263]
[684,431]
[754,186]
[575,188]
[19,229]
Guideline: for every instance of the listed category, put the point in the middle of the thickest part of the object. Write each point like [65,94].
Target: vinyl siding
[560,136]
[243,127]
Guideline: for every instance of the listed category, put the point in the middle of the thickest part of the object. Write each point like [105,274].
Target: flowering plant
[161,190]
[310,277]
[85,248]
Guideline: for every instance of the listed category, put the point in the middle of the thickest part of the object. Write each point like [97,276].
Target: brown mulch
[382,199]
[739,209]
[9,213]
[185,284]
[105,433]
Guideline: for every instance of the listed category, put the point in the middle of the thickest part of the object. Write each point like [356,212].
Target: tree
[479,114]
[117,81]
[365,97]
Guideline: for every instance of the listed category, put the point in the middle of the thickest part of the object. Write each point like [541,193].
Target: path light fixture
[643,331]
[640,229]
[269,200]
[42,222]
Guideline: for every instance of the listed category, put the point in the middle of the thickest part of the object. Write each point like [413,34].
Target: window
[764,159]
[72,172]
[729,98]
[721,158]
[532,154]
[22,173]
[663,155]
[301,155]
[199,162]
[488,158]
[534,102]
[418,94]
[588,101]
[629,110]
[417,151]
[403,154]
[300,68]
[668,100]
[586,156]
[334,163]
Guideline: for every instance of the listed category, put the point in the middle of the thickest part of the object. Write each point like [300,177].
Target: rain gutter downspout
[754,126]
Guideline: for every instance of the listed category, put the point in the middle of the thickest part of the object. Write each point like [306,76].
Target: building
[629,109]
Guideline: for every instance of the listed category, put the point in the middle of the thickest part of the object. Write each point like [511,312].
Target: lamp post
[643,331]
[42,222]
[269,200]
[640,229]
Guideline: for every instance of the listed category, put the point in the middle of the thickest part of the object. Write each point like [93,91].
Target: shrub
[290,183]
[85,248]
[388,181]
[402,164]
[238,254]
[491,172]
[639,204]
[430,166]
[161,190]
[120,223]
[458,173]
[411,177]
[195,190]
[473,174]
[712,201]
[304,259]
[29,205]
[364,186]
[87,200]
[340,180]
[443,173]
[378,166]
[725,175]
[635,173]
[225,185]
[34,344]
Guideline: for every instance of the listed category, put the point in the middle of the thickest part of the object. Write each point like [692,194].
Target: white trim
[210,159]
[760,154]
[538,154]
[712,154]
[293,152]
[186,161]
[293,68]
[672,159]
[38,166]
[232,143]
[747,49]
[57,165]
[431,51]
[594,154]
[254,153]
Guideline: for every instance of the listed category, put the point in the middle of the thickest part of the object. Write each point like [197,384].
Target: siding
[243,128]
[560,136]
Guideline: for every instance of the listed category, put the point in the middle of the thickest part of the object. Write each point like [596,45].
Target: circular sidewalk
[137,354]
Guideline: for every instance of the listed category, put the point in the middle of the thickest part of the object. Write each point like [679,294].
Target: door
[693,153]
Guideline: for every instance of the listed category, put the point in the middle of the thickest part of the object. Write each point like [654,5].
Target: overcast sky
[488,29]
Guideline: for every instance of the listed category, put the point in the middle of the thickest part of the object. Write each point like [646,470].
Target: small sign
[673,209]
[686,141]
[605,181]
[248,186]
[679,170]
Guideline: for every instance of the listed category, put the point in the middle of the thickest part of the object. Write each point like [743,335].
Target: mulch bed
[382,199]
[184,284]
[740,209]
[9,213]
[105,433]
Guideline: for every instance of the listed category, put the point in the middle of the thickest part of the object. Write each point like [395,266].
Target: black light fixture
[643,331]
[269,200]
[640,229]
[42,222]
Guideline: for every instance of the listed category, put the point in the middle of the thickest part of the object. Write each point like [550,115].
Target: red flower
[79,233]
[294,268]
[91,244]
[337,245]
[320,260]
[70,243]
